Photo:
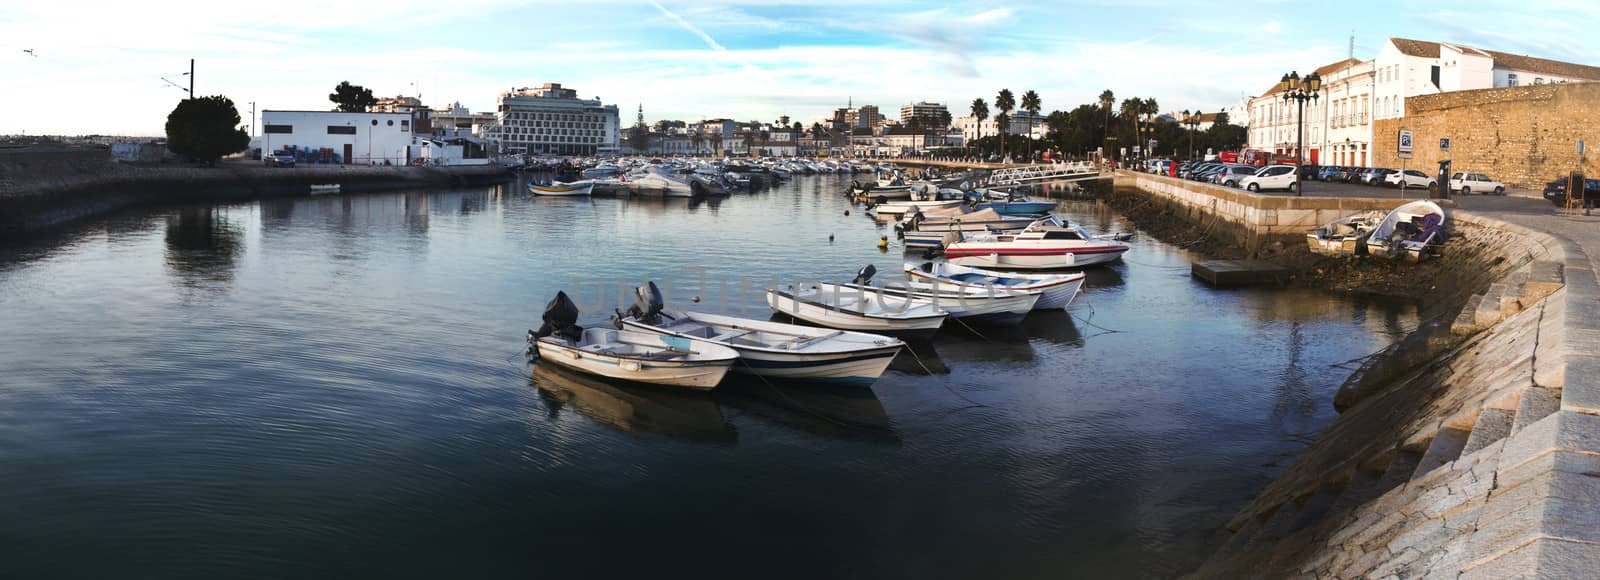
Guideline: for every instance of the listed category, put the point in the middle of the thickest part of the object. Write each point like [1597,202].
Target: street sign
[1444,144]
[1405,144]
[1135,149]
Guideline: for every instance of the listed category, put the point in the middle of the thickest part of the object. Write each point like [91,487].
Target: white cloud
[1272,27]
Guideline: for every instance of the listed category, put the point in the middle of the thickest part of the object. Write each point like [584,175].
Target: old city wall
[1522,136]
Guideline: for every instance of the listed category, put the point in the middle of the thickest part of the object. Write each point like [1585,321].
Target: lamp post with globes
[1192,121]
[1300,91]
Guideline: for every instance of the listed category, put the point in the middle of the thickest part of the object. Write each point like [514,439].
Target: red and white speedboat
[1045,244]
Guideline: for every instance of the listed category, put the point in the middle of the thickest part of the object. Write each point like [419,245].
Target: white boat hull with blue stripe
[785,351]
[1058,289]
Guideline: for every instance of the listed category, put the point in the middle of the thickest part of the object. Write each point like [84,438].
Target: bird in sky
[30,52]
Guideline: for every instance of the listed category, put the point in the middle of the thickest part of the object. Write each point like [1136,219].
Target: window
[341,129]
[1538,80]
[1511,80]
[1436,76]
[278,129]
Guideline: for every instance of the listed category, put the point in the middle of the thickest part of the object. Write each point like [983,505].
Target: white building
[550,119]
[1021,123]
[1346,125]
[929,114]
[1407,68]
[335,137]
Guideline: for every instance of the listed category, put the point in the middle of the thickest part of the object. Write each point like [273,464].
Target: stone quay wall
[1483,462]
[1522,136]
[41,188]
[1253,218]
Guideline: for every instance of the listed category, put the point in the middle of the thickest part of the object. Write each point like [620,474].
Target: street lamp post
[1300,91]
[1192,121]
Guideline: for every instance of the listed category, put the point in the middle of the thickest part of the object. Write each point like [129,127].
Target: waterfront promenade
[1482,465]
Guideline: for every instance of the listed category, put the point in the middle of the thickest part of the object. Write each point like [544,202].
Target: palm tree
[1150,110]
[716,144]
[696,139]
[1006,103]
[980,111]
[1130,109]
[1106,100]
[1030,103]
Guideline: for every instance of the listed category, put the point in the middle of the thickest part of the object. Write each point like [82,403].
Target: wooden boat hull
[562,189]
[690,373]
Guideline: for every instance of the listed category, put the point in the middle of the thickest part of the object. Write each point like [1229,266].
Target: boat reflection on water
[634,408]
[919,359]
[1053,326]
[840,411]
[988,342]
[1107,277]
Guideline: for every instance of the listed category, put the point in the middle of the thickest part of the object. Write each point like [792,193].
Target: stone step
[1276,527]
[1544,278]
[1467,321]
[1318,506]
[1511,303]
[1445,447]
[1364,487]
[1492,425]
[1489,306]
[1537,403]
[1400,470]
[1235,545]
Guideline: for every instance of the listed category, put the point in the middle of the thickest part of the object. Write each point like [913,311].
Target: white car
[1469,182]
[1409,178]
[1271,177]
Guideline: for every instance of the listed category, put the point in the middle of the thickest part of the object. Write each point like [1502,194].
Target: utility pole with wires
[191,78]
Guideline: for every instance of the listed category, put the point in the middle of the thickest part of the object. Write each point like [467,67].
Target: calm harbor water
[336,387]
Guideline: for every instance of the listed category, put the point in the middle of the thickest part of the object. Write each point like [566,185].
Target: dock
[1226,273]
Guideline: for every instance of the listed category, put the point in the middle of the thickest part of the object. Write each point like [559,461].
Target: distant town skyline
[739,59]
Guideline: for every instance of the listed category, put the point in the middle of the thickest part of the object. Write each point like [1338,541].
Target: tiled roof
[1420,48]
[1329,68]
[1277,88]
[1546,66]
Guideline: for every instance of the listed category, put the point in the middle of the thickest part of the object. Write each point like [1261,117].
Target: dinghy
[770,349]
[1057,290]
[1346,236]
[1412,231]
[324,188]
[976,304]
[856,308]
[1044,244]
[627,355]
[561,188]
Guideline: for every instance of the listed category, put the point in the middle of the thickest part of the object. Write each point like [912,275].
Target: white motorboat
[561,188]
[1411,231]
[983,220]
[1057,290]
[978,304]
[1346,236]
[857,308]
[628,355]
[1046,244]
[324,188]
[771,349]
[898,209]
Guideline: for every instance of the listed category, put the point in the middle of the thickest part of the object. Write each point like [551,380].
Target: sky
[97,67]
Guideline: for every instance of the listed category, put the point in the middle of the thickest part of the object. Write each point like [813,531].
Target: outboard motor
[927,267]
[865,275]
[560,319]
[647,305]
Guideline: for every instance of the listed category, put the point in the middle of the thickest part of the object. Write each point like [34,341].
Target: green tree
[1149,109]
[1031,104]
[980,111]
[716,144]
[696,139]
[1005,102]
[351,98]
[1131,109]
[798,127]
[943,118]
[1107,99]
[639,138]
[205,129]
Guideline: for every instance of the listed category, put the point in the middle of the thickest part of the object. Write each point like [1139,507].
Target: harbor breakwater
[1470,450]
[41,188]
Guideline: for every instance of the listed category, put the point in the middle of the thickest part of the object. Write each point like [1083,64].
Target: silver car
[1233,174]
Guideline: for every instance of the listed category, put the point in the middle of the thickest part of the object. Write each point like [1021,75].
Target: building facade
[928,114]
[336,137]
[553,120]
[1021,123]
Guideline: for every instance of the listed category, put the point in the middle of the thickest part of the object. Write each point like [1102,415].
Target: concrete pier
[1239,272]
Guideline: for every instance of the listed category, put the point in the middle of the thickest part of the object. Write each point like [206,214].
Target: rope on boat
[943,383]
[1103,330]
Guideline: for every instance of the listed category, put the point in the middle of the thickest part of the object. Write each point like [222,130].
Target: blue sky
[99,64]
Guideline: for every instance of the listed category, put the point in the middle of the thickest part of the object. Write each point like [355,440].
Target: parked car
[1466,183]
[1309,171]
[1326,173]
[1556,191]
[1232,175]
[1271,177]
[1376,176]
[1409,178]
[278,159]
[1210,172]
[1349,174]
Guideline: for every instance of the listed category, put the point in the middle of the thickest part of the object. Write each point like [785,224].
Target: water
[335,387]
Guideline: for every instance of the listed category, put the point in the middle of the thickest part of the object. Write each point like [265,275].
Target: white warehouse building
[336,137]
